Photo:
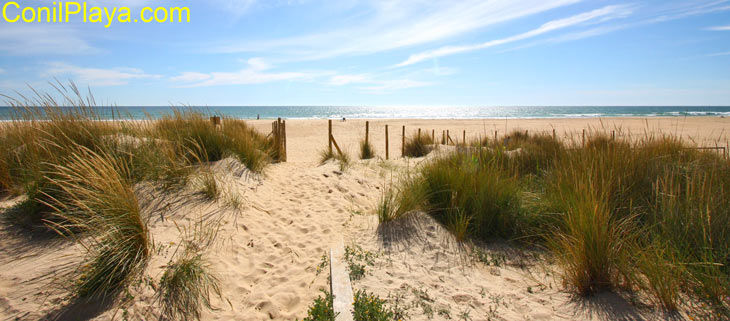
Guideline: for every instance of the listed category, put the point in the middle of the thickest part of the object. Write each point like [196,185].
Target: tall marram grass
[43,133]
[190,129]
[418,145]
[649,215]
[96,196]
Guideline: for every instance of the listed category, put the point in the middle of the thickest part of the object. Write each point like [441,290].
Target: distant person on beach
[343,118]
[258,116]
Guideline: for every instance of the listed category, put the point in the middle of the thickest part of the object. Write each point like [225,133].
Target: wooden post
[419,134]
[367,131]
[329,135]
[278,139]
[495,136]
[387,155]
[277,132]
[443,137]
[403,143]
[447,137]
[613,135]
[433,136]
[554,133]
[584,138]
[463,139]
[283,136]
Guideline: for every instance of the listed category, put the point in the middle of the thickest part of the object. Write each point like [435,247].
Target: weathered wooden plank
[340,286]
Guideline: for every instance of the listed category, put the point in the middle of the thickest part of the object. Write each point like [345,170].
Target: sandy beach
[270,248]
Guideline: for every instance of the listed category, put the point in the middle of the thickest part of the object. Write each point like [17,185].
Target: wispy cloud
[395,84]
[28,39]
[257,71]
[602,14]
[398,24]
[719,54]
[97,77]
[719,28]
[377,83]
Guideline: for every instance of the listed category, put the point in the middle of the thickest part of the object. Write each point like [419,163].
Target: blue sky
[399,52]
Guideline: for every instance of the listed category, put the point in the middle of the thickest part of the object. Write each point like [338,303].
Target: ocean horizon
[409,112]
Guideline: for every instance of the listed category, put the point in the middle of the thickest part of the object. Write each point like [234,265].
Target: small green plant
[366,149]
[324,262]
[445,312]
[321,309]
[358,260]
[465,315]
[369,307]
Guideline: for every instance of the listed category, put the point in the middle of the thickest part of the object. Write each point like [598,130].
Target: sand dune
[268,251]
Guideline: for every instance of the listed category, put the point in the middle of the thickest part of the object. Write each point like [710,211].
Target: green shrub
[366,149]
[321,309]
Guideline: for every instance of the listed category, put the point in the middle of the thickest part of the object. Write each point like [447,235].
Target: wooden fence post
[447,137]
[386,143]
[463,139]
[433,136]
[443,137]
[554,137]
[495,136]
[613,135]
[419,134]
[283,136]
[584,138]
[403,143]
[329,135]
[367,131]
[277,139]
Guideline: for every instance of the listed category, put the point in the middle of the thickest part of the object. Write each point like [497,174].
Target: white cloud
[340,80]
[397,24]
[719,54]
[719,28]
[602,14]
[377,83]
[97,77]
[255,73]
[395,84]
[25,39]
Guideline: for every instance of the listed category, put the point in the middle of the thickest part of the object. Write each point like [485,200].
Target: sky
[398,52]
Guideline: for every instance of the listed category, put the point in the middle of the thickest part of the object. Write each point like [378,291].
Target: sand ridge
[268,251]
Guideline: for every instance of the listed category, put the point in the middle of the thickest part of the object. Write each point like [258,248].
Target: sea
[409,112]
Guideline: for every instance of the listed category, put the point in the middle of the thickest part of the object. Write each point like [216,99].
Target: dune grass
[188,282]
[78,174]
[96,197]
[191,129]
[418,145]
[366,149]
[593,208]
[343,159]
